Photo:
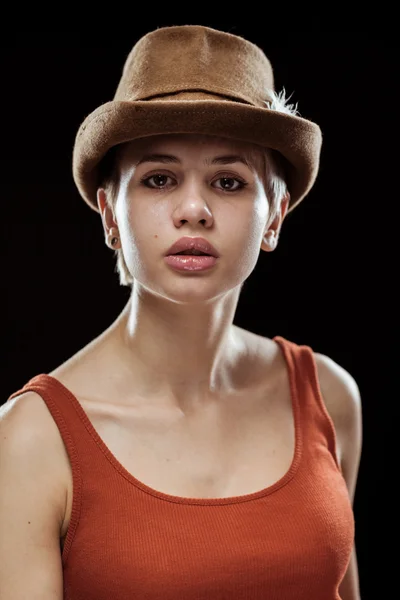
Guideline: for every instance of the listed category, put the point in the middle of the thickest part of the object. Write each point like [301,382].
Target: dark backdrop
[330,283]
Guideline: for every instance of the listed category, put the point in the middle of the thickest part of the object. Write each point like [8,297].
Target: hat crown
[194,58]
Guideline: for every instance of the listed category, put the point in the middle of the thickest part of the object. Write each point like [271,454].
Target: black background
[330,283]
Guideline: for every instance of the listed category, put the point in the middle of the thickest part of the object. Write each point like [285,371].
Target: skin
[176,333]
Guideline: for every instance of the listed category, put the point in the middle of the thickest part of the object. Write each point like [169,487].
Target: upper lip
[192,243]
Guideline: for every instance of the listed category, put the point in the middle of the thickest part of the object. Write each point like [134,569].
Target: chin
[191,295]
[188,290]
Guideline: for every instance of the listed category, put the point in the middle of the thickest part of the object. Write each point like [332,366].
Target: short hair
[273,169]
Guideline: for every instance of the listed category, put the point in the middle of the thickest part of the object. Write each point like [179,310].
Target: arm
[342,398]
[31,502]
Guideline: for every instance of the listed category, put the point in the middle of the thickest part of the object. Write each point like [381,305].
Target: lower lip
[188,262]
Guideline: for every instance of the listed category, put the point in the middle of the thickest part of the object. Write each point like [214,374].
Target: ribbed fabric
[290,541]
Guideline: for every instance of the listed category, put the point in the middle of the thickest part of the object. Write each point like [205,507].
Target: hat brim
[115,122]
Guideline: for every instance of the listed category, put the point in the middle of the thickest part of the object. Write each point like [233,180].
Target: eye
[157,181]
[230,184]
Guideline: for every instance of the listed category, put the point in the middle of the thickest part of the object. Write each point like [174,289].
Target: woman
[178,454]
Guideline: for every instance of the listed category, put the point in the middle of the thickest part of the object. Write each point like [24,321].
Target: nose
[192,207]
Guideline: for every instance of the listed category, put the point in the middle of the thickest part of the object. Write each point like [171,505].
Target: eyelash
[145,181]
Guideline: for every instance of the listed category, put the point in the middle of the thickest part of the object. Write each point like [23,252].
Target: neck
[182,352]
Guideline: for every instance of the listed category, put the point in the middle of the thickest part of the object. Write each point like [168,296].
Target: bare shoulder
[31,501]
[342,398]
[29,430]
[29,413]
[339,389]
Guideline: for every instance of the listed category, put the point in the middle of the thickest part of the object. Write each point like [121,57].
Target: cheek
[130,230]
[140,228]
[124,217]
[253,226]
[261,206]
[251,244]
[243,232]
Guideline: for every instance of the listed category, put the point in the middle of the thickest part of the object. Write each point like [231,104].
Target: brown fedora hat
[194,79]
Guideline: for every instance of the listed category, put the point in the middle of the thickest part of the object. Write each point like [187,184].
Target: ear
[272,230]
[110,225]
[107,214]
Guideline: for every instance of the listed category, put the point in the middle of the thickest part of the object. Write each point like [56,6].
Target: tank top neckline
[58,386]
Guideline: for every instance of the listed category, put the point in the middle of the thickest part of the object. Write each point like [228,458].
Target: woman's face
[197,186]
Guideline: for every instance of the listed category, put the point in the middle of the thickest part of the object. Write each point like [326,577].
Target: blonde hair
[273,168]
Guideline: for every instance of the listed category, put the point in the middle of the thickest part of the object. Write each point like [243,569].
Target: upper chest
[199,453]
[241,444]
[237,445]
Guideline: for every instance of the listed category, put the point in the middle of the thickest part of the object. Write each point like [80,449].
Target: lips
[193,243]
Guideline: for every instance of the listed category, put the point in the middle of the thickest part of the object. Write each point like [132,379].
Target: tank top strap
[316,423]
[72,421]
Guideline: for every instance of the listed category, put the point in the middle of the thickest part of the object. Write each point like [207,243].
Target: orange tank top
[290,541]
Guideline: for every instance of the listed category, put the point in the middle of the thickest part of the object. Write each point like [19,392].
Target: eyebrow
[217,160]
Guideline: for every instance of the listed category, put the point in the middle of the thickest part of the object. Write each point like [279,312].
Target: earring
[112,238]
[270,239]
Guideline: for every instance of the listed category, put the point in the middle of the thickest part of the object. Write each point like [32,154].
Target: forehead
[195,144]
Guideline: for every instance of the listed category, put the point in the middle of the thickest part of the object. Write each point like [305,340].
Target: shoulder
[31,437]
[27,419]
[342,398]
[27,411]
[339,389]
[27,425]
